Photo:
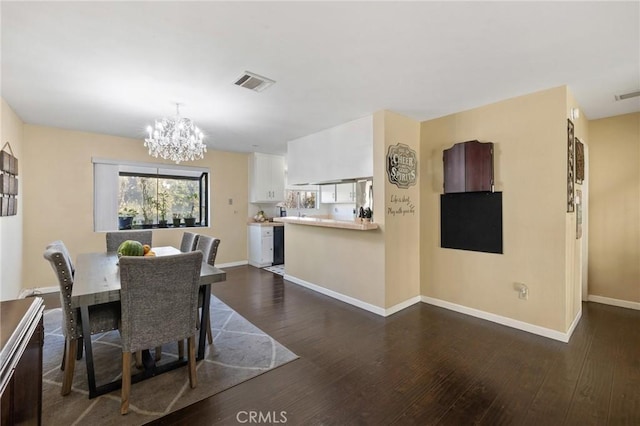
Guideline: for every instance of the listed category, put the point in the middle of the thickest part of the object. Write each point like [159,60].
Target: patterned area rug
[276,269]
[240,352]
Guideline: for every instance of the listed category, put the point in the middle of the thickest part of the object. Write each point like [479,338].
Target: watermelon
[131,248]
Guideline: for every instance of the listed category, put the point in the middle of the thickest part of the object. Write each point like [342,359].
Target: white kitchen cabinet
[260,246]
[341,152]
[338,193]
[346,192]
[327,193]
[266,178]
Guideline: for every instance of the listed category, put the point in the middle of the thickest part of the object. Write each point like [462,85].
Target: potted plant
[125,217]
[177,218]
[161,206]
[189,220]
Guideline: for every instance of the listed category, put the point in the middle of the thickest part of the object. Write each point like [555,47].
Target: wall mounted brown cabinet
[468,167]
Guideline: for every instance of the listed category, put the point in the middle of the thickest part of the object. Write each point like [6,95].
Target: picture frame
[570,167]
[579,161]
[8,182]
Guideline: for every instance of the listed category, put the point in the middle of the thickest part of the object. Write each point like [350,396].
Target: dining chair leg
[138,359]
[180,349]
[209,334]
[80,346]
[193,380]
[126,382]
[64,355]
[70,364]
[158,353]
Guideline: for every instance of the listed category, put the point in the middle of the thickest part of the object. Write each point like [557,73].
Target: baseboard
[614,302]
[26,292]
[574,324]
[342,297]
[402,305]
[232,264]
[509,322]
[352,300]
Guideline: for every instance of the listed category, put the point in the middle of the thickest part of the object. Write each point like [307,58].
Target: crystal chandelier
[175,138]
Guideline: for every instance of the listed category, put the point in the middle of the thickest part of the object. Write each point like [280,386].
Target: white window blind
[105,197]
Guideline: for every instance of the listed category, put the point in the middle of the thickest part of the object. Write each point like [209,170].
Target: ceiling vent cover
[627,95]
[254,82]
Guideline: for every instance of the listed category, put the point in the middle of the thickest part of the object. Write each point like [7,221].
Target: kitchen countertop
[328,223]
[252,223]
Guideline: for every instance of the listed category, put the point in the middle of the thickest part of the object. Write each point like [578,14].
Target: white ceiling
[112,67]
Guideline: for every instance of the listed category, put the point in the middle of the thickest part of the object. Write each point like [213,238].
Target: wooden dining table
[97,281]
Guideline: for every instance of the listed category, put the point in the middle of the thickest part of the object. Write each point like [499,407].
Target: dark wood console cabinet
[22,337]
[468,167]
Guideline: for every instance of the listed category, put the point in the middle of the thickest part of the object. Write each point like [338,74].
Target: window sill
[155,226]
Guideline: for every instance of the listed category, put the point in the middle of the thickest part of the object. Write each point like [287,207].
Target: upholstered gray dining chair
[209,248]
[104,317]
[189,241]
[159,298]
[114,239]
[65,252]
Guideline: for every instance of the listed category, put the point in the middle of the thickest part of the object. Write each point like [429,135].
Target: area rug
[276,269]
[240,352]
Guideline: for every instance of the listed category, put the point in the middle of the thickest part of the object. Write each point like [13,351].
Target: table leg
[86,334]
[204,324]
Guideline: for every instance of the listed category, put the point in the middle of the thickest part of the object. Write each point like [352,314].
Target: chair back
[159,299]
[209,248]
[66,253]
[189,241]
[114,239]
[59,260]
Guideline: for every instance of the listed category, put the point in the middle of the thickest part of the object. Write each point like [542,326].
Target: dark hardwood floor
[424,365]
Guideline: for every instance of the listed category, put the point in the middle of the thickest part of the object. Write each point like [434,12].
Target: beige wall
[58,202]
[614,226]
[11,240]
[344,261]
[574,254]
[401,230]
[349,262]
[382,267]
[529,133]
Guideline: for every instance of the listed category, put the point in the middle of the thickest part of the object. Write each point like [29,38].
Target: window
[301,199]
[141,195]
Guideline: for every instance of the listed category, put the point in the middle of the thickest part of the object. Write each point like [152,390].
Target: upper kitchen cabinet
[266,178]
[338,193]
[346,192]
[328,193]
[338,153]
[468,167]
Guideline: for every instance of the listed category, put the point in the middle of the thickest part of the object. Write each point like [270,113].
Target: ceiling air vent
[253,81]
[627,95]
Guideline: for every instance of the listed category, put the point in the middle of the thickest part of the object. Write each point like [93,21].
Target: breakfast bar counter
[328,223]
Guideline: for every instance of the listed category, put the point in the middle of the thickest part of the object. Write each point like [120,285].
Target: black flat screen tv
[471,221]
